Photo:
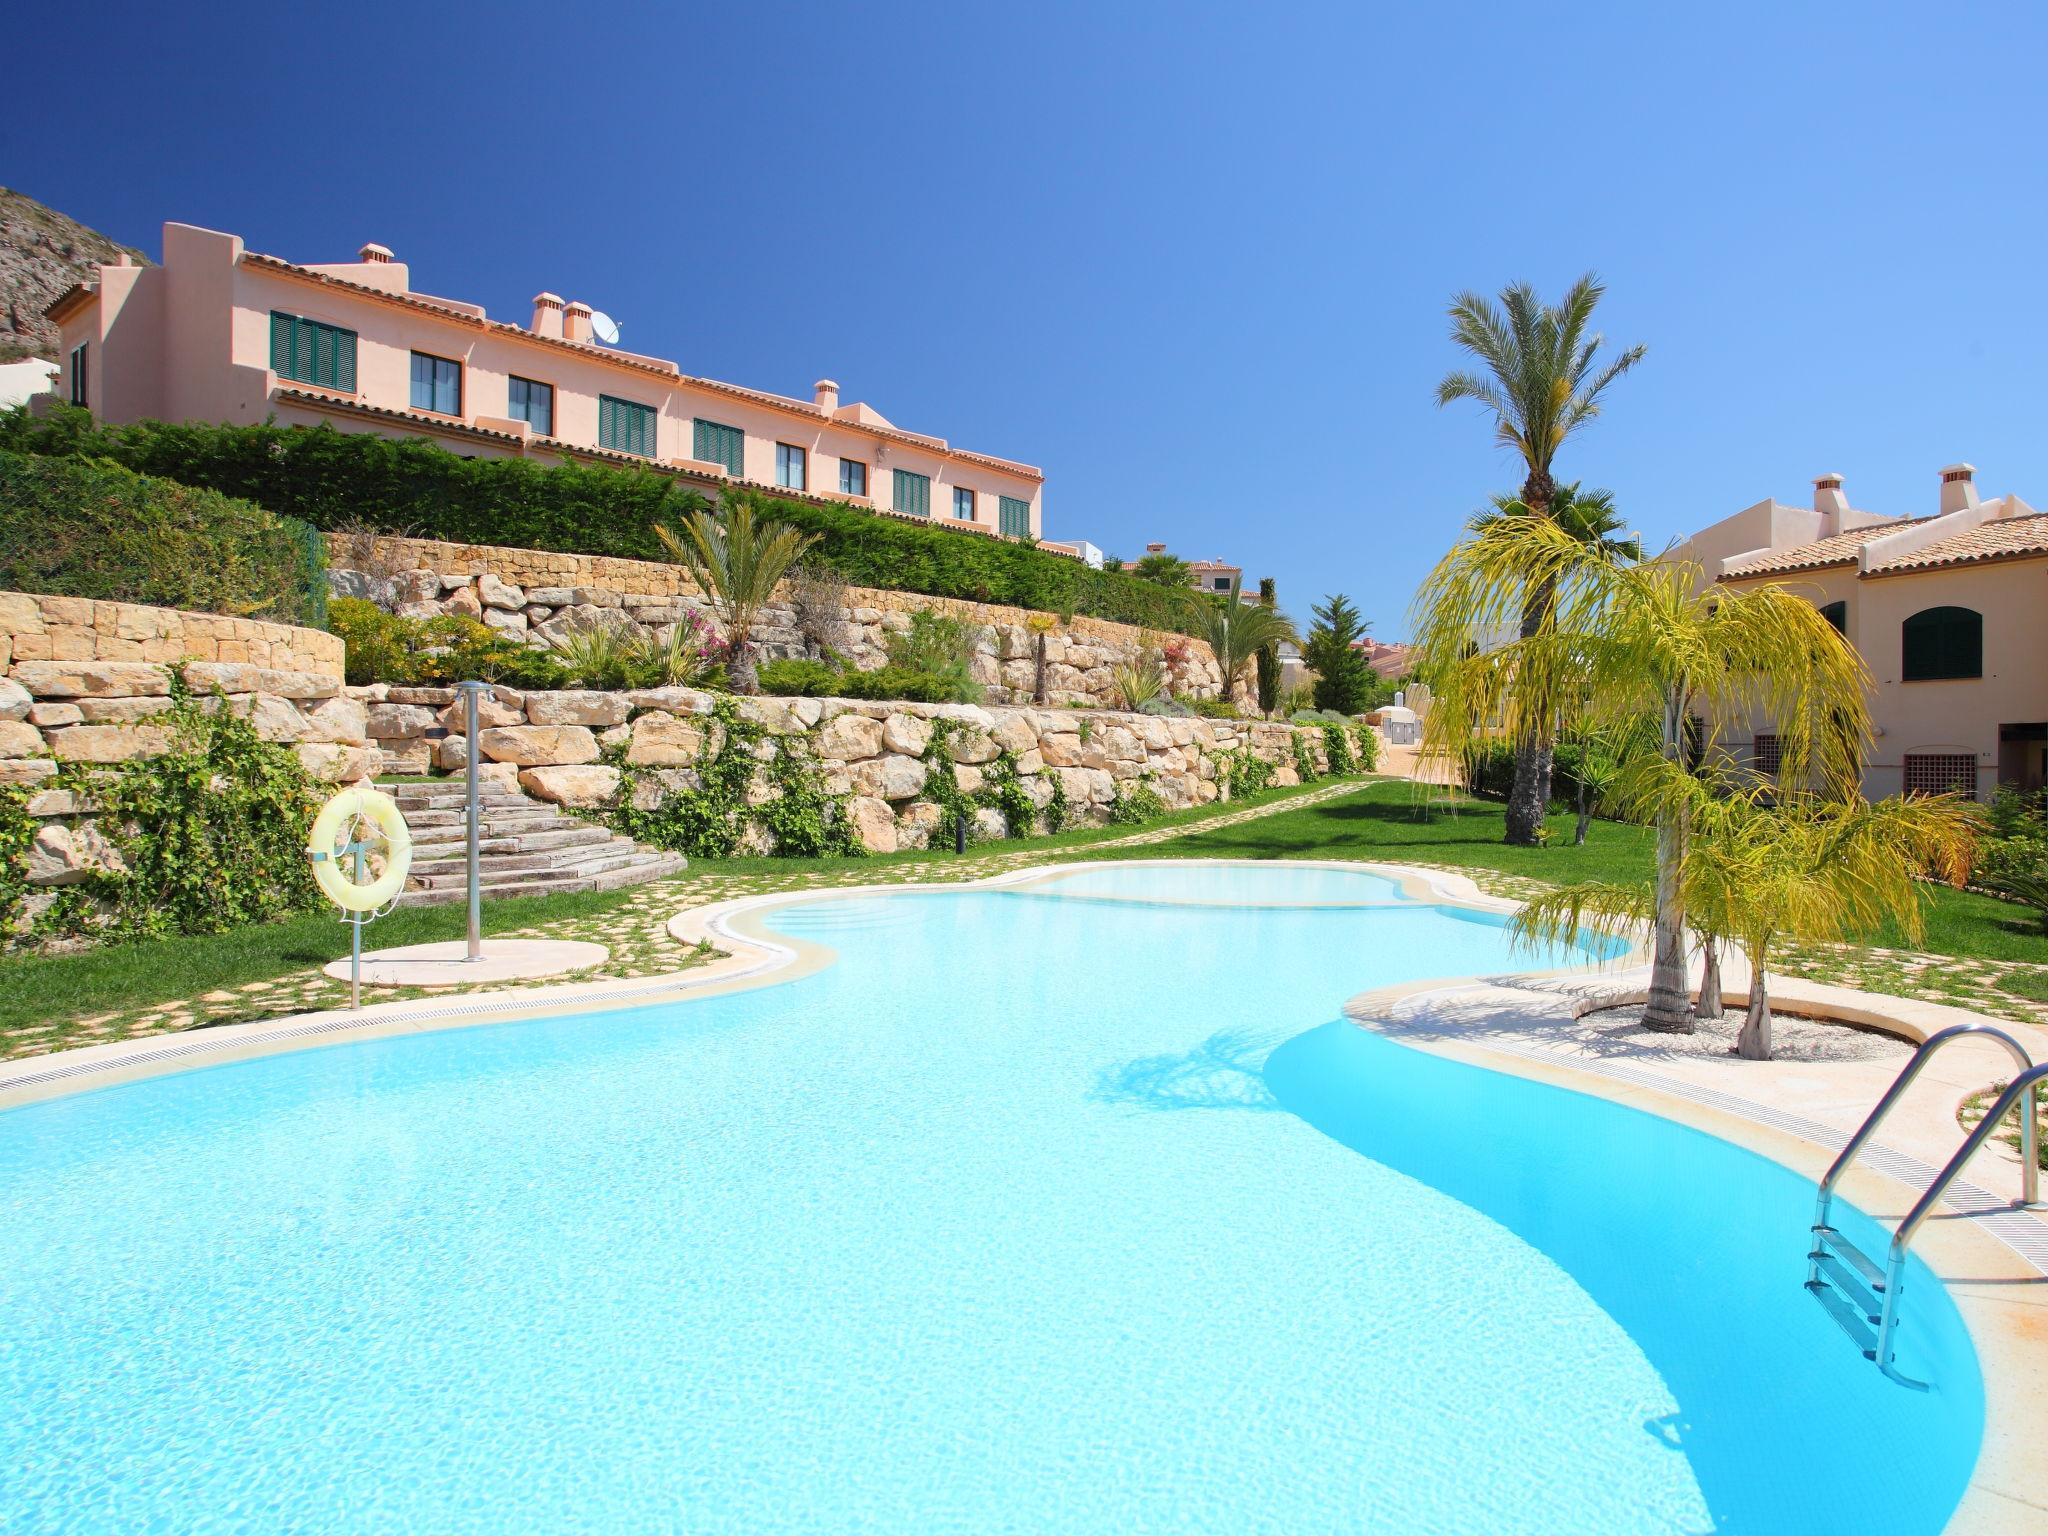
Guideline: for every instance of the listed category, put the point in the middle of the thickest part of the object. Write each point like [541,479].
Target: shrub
[331,479]
[385,648]
[1135,801]
[1172,708]
[799,678]
[1217,709]
[1140,682]
[940,647]
[896,683]
[88,528]
[1368,748]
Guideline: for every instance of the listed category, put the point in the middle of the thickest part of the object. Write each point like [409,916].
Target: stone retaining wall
[35,627]
[555,743]
[539,596]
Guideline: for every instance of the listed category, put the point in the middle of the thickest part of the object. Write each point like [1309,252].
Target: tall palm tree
[1627,640]
[1590,517]
[1237,631]
[1542,378]
[736,561]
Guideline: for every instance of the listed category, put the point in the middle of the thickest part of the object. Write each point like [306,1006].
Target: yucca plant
[596,656]
[736,561]
[687,654]
[1138,682]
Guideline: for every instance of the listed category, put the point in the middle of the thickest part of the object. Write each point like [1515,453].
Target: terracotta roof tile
[1837,549]
[2003,538]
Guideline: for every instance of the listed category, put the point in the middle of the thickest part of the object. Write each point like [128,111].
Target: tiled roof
[658,368]
[1837,549]
[2003,538]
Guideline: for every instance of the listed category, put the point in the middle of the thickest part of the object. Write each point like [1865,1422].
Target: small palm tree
[1542,377]
[1236,632]
[737,561]
[1590,517]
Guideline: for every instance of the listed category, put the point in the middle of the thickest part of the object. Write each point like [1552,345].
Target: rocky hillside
[42,253]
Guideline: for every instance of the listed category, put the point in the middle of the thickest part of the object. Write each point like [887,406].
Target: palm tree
[737,562]
[1623,641]
[1590,517]
[1237,631]
[1542,379]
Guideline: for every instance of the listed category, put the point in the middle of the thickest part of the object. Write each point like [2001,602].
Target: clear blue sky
[1191,260]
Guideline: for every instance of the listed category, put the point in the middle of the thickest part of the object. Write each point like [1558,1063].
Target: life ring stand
[337,834]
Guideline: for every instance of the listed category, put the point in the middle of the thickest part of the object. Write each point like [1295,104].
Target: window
[436,384]
[78,390]
[913,493]
[789,466]
[1768,753]
[853,478]
[715,444]
[1837,614]
[963,504]
[625,426]
[1936,773]
[312,353]
[531,402]
[1014,517]
[1220,583]
[1943,642]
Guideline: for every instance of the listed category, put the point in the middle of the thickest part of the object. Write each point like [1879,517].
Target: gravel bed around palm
[1792,1038]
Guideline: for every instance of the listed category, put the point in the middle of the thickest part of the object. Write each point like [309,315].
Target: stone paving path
[636,931]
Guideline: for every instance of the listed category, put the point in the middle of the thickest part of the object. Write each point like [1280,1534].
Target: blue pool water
[1025,1215]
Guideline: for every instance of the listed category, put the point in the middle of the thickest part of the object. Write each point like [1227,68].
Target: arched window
[1943,642]
[1837,614]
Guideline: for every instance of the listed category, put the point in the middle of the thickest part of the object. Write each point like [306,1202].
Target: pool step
[525,847]
[1849,1286]
[1861,1334]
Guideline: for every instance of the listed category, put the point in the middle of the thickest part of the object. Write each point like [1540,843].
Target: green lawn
[36,988]
[1384,821]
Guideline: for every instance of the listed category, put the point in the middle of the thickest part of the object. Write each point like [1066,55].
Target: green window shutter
[1014,517]
[312,353]
[280,344]
[718,444]
[625,426]
[913,493]
[345,362]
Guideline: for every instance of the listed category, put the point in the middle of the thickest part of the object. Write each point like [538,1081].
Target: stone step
[446,823]
[653,866]
[568,835]
[489,879]
[439,873]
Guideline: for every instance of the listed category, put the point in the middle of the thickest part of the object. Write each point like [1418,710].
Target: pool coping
[2002,1297]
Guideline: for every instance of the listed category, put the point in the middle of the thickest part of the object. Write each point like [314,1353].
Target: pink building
[222,334]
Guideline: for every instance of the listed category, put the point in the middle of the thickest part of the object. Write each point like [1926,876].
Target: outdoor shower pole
[470,692]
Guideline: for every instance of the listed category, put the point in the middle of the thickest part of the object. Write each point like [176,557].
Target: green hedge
[335,479]
[83,527]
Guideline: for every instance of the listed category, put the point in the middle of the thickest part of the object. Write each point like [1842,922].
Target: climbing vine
[1057,809]
[1001,789]
[1368,749]
[708,820]
[1337,750]
[1244,771]
[17,833]
[1305,759]
[1135,801]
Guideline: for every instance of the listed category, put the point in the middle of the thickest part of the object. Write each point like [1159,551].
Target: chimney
[826,394]
[375,252]
[1155,549]
[576,321]
[1829,502]
[547,314]
[1958,487]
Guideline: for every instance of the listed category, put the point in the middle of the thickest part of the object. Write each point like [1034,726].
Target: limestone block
[990,825]
[26,770]
[15,700]
[47,715]
[94,680]
[499,594]
[664,740]
[107,743]
[906,734]
[512,626]
[396,722]
[451,753]
[59,802]
[850,737]
[971,746]
[234,677]
[54,857]
[577,706]
[119,711]
[1014,733]
[550,597]
[894,777]
[20,614]
[534,746]
[672,700]
[409,757]
[615,736]
[587,785]
[595,597]
[335,763]
[1030,761]
[337,719]
[275,719]
[20,739]
[491,709]
[873,823]
[464,602]
[968,777]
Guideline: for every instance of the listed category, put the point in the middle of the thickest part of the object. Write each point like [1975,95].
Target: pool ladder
[1857,1292]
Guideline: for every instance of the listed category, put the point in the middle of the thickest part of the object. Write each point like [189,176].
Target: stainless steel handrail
[2030,1160]
[2019,1091]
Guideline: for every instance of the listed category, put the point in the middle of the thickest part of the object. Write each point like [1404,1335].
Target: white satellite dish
[604,327]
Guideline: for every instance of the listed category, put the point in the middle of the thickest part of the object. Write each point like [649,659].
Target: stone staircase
[528,848]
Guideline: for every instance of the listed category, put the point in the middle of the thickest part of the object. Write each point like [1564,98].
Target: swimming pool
[1025,1214]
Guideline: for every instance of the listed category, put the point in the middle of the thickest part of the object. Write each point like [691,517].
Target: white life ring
[333,871]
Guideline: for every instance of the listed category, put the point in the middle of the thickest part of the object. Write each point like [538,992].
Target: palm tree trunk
[739,668]
[1529,793]
[1585,816]
[1754,1043]
[1038,671]
[1670,1007]
[1708,1004]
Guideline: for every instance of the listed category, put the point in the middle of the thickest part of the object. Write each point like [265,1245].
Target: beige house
[1949,612]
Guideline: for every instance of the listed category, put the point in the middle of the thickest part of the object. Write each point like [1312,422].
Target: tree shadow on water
[1225,1071]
